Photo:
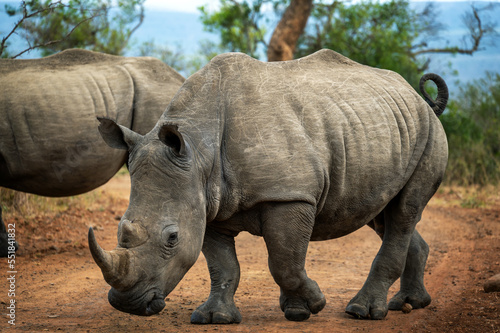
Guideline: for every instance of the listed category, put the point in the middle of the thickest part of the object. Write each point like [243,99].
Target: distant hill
[184,30]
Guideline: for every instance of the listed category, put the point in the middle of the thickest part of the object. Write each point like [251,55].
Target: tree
[375,34]
[238,24]
[289,29]
[97,25]
[381,34]
[389,35]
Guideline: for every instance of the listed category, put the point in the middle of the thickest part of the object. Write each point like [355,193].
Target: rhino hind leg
[300,296]
[399,222]
[219,251]
[403,252]
[412,288]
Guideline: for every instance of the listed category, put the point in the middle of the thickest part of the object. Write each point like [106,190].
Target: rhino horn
[115,265]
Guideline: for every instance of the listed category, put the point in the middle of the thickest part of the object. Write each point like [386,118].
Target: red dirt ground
[59,288]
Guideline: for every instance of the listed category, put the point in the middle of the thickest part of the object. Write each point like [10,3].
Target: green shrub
[472,125]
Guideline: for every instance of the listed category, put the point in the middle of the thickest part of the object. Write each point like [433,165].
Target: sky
[185,6]
[191,6]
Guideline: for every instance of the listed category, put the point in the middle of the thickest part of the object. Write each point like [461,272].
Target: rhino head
[161,234]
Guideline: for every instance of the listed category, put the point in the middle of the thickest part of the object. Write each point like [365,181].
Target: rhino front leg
[220,253]
[287,230]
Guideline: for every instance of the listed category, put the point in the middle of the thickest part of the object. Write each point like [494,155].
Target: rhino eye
[172,239]
[170,235]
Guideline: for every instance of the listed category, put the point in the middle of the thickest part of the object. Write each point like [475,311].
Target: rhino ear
[170,135]
[117,136]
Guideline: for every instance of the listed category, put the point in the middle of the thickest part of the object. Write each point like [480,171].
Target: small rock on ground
[492,284]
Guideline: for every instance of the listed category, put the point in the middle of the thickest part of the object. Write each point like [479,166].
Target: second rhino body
[49,143]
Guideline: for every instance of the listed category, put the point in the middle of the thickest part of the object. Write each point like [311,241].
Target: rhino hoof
[200,317]
[416,300]
[357,311]
[378,314]
[361,312]
[297,314]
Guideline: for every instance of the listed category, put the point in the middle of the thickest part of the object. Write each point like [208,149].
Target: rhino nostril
[155,306]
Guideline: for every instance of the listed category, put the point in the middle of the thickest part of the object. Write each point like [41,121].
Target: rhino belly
[71,171]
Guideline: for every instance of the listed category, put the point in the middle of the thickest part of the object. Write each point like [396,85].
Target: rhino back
[322,129]
[49,142]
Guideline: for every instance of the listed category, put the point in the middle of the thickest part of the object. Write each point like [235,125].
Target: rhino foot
[364,308]
[216,313]
[418,300]
[298,306]
[298,309]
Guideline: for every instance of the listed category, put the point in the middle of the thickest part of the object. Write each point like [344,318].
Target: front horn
[115,265]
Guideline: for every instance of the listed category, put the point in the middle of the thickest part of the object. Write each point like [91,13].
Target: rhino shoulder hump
[63,59]
[329,57]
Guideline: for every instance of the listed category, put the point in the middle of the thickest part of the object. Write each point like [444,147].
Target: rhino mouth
[150,303]
[155,305]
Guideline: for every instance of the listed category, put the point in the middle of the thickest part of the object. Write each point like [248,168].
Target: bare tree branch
[50,8]
[141,20]
[477,32]
[55,41]
[25,17]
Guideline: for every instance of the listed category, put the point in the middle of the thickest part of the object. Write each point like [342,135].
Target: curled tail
[439,104]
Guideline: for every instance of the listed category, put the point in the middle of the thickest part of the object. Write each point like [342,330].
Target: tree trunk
[287,32]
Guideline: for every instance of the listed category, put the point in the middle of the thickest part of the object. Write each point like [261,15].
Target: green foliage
[472,124]
[172,56]
[98,25]
[238,24]
[384,34]
[376,34]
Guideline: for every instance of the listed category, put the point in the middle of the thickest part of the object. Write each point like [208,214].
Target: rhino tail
[439,104]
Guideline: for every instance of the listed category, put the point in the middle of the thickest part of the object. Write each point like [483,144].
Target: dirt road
[59,288]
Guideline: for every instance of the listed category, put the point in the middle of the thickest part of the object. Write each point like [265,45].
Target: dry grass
[468,197]
[28,205]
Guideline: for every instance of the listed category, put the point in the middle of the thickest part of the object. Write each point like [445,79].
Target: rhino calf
[49,143]
[305,150]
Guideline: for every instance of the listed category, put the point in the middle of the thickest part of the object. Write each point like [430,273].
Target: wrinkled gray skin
[305,150]
[49,142]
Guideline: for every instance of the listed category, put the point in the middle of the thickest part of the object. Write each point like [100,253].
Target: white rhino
[49,142]
[305,150]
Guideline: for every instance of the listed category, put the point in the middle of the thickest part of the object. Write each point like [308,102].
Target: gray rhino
[306,150]
[49,142]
